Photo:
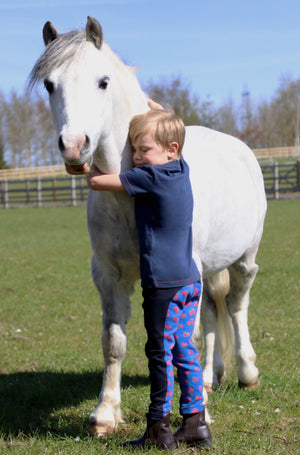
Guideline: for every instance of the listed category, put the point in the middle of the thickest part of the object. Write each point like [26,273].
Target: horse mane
[62,51]
[57,53]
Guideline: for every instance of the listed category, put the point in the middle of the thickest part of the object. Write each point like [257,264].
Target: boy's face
[147,151]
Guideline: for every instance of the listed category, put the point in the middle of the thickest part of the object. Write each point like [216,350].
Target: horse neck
[129,97]
[133,103]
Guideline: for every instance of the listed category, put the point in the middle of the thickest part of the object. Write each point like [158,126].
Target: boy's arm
[104,182]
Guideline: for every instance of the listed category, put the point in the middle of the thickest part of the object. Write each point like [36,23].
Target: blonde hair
[165,126]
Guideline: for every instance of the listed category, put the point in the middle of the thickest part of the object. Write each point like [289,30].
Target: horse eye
[49,86]
[103,83]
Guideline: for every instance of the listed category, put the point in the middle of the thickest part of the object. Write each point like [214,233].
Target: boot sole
[200,443]
[148,445]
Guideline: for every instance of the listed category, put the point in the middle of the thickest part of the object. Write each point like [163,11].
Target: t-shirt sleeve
[137,180]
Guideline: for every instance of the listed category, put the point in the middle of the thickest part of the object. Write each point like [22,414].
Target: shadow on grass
[31,402]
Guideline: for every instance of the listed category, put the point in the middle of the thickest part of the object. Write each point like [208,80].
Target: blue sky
[220,48]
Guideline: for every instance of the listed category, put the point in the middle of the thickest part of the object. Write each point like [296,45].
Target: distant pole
[276,180]
[297,138]
[39,191]
[73,186]
[5,190]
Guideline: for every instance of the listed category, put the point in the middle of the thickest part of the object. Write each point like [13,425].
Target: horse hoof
[254,385]
[100,430]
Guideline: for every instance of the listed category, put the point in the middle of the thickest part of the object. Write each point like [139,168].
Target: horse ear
[94,32]
[50,33]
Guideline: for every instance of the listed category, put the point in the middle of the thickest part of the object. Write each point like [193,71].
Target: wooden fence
[59,169]
[282,180]
[65,190]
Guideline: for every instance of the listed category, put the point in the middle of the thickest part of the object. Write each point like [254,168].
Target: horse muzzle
[77,169]
[74,148]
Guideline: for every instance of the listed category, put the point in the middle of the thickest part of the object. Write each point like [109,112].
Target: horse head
[90,106]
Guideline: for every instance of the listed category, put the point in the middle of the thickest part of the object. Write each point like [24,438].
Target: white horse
[93,96]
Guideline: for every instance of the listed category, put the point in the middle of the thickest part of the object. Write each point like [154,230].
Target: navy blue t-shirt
[163,212]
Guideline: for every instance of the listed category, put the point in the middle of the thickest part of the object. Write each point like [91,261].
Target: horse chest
[112,228]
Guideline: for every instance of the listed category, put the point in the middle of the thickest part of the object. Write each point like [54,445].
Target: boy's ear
[173,149]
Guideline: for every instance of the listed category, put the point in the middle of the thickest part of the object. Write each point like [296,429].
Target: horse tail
[218,287]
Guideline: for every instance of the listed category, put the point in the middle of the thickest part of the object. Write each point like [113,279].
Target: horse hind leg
[217,330]
[198,344]
[242,275]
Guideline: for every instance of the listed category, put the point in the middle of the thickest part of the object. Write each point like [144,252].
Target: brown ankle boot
[158,433]
[194,430]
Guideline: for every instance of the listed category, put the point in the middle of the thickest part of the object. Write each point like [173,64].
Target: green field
[51,363]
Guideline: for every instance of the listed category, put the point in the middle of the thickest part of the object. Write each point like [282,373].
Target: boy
[170,279]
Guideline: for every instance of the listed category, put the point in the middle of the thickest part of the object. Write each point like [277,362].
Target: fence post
[73,186]
[276,180]
[298,174]
[54,189]
[5,191]
[39,191]
[82,182]
[27,192]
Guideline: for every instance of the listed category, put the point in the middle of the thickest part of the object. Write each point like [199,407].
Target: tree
[27,131]
[176,95]
[279,119]
[226,118]
[286,106]
[45,143]
[250,131]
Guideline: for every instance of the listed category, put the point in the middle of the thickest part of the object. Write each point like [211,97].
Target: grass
[51,363]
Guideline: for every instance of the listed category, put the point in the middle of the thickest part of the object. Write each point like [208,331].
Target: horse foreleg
[114,295]
[242,275]
[107,414]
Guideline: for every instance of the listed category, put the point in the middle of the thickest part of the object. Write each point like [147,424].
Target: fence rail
[281,181]
[277,153]
[24,173]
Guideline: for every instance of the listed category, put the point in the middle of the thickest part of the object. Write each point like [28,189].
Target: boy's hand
[93,172]
[153,105]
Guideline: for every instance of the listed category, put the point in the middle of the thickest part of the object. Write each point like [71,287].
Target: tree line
[264,124]
[27,136]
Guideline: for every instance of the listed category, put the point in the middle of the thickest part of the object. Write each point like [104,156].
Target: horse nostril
[61,145]
[73,144]
[87,141]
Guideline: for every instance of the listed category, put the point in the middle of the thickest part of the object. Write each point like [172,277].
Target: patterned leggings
[169,317]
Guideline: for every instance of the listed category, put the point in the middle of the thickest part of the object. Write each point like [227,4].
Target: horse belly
[229,197]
